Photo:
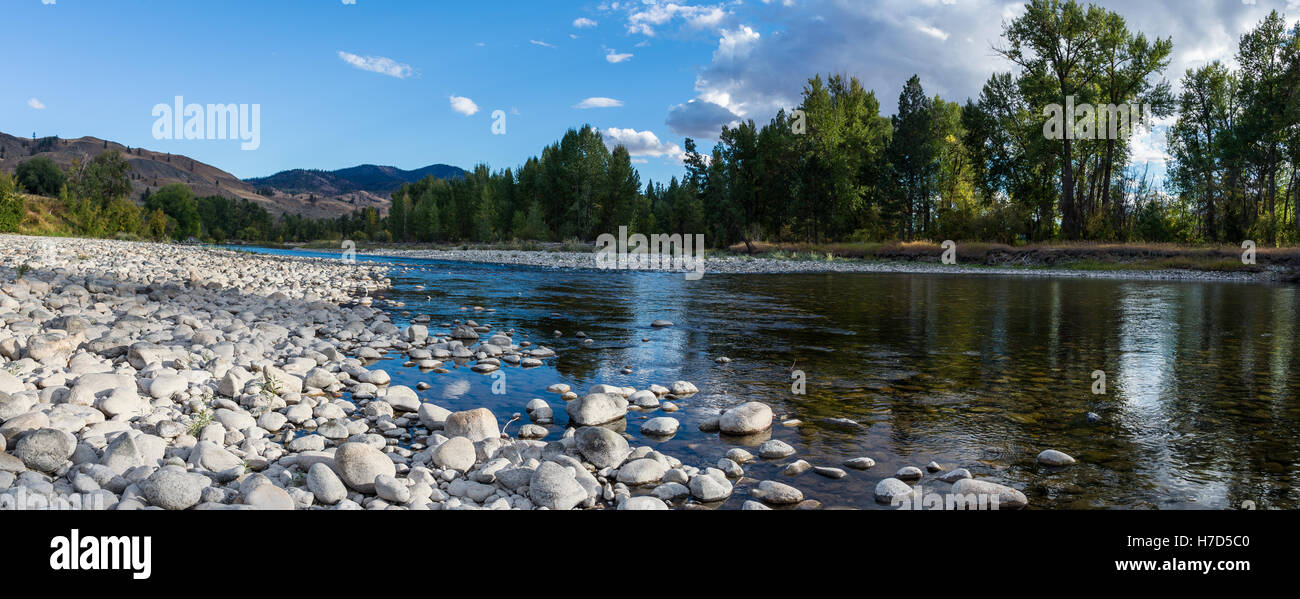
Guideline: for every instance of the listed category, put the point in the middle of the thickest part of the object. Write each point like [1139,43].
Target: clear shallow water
[974,372]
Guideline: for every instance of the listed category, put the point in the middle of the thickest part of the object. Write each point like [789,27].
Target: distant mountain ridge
[367,177]
[304,192]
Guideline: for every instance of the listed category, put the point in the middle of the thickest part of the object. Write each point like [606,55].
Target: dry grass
[45,216]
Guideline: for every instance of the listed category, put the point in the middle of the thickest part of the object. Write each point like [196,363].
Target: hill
[367,177]
[311,193]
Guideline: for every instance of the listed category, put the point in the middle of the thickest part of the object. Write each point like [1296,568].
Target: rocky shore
[149,376]
[731,264]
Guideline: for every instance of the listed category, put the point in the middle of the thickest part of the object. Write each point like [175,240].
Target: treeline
[836,169]
[577,188]
[1236,142]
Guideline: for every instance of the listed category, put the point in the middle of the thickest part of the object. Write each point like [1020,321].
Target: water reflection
[973,372]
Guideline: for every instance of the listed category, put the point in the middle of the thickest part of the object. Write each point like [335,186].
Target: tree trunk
[1069,217]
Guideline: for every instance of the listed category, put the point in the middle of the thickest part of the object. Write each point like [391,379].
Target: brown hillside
[152,170]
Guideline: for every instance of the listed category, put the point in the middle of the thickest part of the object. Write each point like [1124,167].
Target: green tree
[40,176]
[912,154]
[1055,43]
[106,177]
[178,203]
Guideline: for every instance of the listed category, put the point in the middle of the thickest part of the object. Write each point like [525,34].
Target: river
[975,372]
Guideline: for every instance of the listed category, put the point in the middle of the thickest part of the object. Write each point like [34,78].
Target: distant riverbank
[1130,262]
[733,264]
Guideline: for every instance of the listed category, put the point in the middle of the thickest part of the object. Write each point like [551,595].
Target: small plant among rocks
[201,421]
[270,387]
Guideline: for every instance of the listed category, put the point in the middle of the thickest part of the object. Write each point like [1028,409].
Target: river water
[975,372]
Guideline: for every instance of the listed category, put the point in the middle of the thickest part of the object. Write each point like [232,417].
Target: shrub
[12,208]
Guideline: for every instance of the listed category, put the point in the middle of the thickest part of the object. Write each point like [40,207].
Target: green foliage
[200,421]
[40,176]
[105,178]
[178,203]
[12,208]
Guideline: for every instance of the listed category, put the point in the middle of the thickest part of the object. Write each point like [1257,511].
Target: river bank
[151,376]
[735,264]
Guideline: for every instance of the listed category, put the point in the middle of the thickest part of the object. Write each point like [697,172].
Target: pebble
[1007,496]
[660,427]
[909,473]
[775,449]
[953,476]
[745,419]
[796,468]
[891,489]
[829,472]
[776,493]
[860,463]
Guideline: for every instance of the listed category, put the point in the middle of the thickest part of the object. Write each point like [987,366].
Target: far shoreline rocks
[736,265]
[154,376]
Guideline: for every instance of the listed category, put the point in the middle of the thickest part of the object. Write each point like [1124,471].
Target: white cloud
[583,22]
[540,43]
[463,105]
[717,103]
[642,144]
[378,64]
[613,57]
[644,18]
[934,32]
[598,102]
[35,104]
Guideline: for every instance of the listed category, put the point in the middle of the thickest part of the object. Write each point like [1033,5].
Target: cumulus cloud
[35,104]
[641,143]
[583,22]
[643,18]
[598,102]
[378,64]
[463,105]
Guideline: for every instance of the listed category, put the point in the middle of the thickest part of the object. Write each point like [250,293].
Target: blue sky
[372,82]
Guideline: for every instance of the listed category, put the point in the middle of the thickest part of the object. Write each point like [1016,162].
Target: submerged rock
[860,463]
[1054,458]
